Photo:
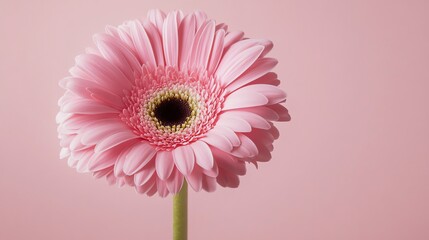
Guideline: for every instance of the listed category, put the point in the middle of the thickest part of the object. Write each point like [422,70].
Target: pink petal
[228,133]
[111,179]
[214,171]
[120,181]
[97,130]
[144,175]
[102,173]
[114,140]
[217,50]
[180,16]
[281,111]
[103,160]
[67,98]
[209,183]
[129,180]
[140,154]
[231,38]
[253,95]
[269,78]
[242,44]
[76,144]
[63,130]
[120,160]
[90,90]
[262,136]
[156,17]
[92,51]
[175,182]
[123,32]
[64,153]
[244,99]
[170,39]
[227,179]
[274,131]
[152,191]
[247,145]
[202,46]
[118,54]
[203,154]
[270,147]
[242,152]
[61,117]
[161,187]
[147,186]
[63,82]
[156,42]
[111,30]
[164,164]
[103,72]
[86,106]
[234,123]
[142,44]
[201,18]
[184,159]
[258,69]
[221,26]
[195,179]
[187,31]
[120,48]
[66,140]
[83,160]
[253,119]
[233,66]
[79,86]
[238,46]
[106,98]
[230,163]
[268,45]
[218,141]
[264,152]
[264,111]
[273,93]
[72,162]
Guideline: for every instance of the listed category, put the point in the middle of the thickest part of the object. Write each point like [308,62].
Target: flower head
[170,98]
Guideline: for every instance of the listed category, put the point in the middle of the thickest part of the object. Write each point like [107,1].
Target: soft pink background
[353,163]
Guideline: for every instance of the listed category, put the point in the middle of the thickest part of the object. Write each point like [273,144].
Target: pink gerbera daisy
[170,98]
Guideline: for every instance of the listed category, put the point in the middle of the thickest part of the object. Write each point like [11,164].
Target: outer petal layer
[108,122]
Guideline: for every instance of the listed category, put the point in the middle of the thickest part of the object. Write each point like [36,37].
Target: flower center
[169,108]
[172,111]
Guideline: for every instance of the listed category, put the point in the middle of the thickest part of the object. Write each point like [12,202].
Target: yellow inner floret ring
[172,110]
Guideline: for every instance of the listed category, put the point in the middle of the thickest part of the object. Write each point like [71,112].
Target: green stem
[180,214]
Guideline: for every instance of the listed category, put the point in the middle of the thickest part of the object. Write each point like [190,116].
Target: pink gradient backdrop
[353,163]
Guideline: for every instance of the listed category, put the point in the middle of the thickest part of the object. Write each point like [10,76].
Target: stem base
[180,214]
